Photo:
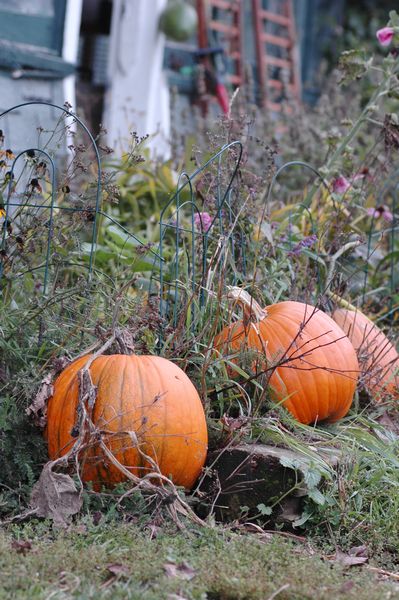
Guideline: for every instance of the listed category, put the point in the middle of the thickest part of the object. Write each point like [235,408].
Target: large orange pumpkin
[147,395]
[316,366]
[378,358]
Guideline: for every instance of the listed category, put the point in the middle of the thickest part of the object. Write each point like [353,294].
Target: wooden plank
[27,29]
[15,57]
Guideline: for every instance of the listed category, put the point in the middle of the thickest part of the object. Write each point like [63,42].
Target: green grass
[223,565]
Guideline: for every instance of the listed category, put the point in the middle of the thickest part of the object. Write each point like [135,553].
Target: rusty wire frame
[52,205]
[224,231]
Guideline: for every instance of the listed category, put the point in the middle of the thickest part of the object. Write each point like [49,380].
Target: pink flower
[385,35]
[203,221]
[380,211]
[340,185]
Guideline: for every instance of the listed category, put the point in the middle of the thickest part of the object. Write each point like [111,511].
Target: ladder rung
[274,18]
[224,4]
[276,40]
[277,62]
[224,28]
[275,83]
[277,107]
[278,85]
[273,106]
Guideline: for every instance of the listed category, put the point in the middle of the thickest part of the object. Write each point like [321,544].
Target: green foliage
[22,453]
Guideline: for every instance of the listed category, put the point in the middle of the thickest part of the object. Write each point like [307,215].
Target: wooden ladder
[276,53]
[220,23]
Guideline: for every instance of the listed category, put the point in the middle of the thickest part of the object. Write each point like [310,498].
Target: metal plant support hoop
[199,237]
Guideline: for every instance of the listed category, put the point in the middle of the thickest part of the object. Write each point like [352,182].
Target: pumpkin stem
[341,302]
[253,312]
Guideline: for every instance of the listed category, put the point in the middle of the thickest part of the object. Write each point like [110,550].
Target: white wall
[137,97]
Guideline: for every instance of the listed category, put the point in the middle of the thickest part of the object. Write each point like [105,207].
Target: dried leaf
[349,560]
[117,569]
[55,496]
[359,551]
[232,424]
[38,408]
[182,570]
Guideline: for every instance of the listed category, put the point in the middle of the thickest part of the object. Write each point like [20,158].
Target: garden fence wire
[202,235]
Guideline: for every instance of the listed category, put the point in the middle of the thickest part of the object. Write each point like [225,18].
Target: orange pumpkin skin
[147,395]
[319,380]
[378,358]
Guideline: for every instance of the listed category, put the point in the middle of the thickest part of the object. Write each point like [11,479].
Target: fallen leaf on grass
[356,556]
[359,551]
[116,572]
[182,570]
[117,569]
[55,496]
[21,547]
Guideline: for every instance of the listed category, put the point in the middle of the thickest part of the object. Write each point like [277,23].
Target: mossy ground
[127,560]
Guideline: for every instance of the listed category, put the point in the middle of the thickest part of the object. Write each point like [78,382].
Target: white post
[70,46]
[137,98]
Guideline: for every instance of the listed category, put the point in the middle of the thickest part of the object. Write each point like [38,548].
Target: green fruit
[178,21]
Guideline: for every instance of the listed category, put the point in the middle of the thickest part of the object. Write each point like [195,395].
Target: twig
[281,589]
[383,572]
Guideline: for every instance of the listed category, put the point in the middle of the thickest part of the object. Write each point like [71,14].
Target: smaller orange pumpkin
[314,369]
[146,406]
[378,358]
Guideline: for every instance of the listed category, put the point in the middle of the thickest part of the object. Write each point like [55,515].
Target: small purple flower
[380,211]
[203,221]
[307,242]
[385,35]
[340,185]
